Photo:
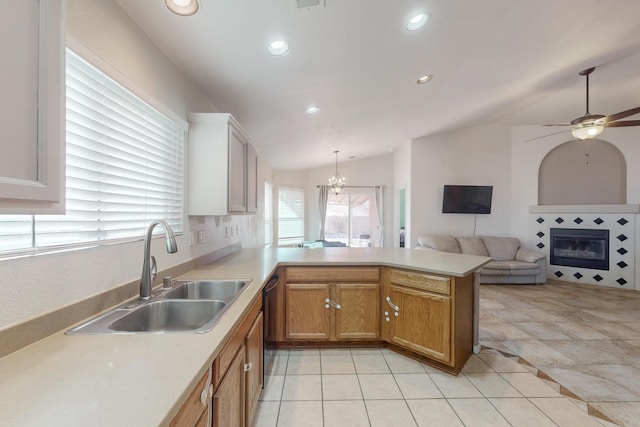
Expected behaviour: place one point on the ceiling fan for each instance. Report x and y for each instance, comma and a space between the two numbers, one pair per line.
591, 125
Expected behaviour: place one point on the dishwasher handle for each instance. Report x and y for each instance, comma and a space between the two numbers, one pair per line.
271, 284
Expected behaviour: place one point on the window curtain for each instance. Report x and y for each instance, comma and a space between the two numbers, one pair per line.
379, 193
322, 203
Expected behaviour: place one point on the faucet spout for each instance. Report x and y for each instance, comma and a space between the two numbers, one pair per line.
146, 281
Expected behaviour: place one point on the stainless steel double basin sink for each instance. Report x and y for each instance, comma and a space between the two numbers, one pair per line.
189, 306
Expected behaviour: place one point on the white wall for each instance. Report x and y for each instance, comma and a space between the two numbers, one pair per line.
36, 285
471, 156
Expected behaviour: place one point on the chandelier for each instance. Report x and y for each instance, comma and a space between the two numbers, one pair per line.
336, 182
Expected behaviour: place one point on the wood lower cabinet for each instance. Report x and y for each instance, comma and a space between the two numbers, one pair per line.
238, 372
253, 380
423, 323
319, 306
196, 411
429, 315
305, 312
359, 315
228, 400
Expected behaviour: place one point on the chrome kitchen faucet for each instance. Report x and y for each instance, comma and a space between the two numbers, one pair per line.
149, 268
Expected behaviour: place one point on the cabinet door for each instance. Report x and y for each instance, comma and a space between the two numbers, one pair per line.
237, 168
252, 179
253, 366
423, 323
228, 401
195, 411
306, 317
32, 35
358, 317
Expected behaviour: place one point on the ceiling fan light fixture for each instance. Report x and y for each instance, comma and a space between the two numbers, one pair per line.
586, 131
182, 7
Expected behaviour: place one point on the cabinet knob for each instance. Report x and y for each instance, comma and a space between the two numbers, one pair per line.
248, 366
204, 395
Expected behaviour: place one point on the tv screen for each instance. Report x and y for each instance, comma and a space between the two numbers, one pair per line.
474, 199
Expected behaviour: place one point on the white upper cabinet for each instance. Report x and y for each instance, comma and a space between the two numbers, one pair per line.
32, 107
222, 166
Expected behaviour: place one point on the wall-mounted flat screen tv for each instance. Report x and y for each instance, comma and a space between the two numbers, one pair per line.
472, 199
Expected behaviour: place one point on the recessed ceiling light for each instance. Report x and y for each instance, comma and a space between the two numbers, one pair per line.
417, 21
312, 109
422, 80
182, 7
278, 47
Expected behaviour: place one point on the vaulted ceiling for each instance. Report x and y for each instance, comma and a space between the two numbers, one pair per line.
492, 60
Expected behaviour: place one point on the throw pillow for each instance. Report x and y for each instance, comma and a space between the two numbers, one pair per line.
501, 248
472, 246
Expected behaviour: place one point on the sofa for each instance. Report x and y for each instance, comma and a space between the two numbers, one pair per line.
510, 263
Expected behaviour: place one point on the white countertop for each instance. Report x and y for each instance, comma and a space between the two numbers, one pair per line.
142, 379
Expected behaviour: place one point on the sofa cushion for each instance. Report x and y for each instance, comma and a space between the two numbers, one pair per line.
509, 268
472, 246
501, 248
527, 255
439, 243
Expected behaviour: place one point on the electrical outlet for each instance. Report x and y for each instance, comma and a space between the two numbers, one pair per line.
202, 236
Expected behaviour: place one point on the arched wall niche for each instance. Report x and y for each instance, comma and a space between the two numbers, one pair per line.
590, 172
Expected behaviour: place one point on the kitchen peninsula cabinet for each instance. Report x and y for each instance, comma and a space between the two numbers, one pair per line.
32, 47
336, 304
429, 315
222, 166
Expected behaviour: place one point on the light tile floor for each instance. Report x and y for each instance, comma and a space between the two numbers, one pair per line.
376, 387
584, 337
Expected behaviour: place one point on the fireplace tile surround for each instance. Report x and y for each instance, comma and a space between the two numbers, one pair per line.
619, 220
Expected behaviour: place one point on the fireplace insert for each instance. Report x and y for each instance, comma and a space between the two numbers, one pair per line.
584, 248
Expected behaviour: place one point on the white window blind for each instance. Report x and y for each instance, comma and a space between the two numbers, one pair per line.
268, 214
124, 167
290, 216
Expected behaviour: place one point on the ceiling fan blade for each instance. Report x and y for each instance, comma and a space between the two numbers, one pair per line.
622, 115
544, 136
623, 123
558, 124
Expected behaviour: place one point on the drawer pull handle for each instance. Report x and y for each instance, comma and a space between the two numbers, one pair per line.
392, 305
330, 303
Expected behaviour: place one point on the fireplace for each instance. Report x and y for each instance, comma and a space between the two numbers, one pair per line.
584, 248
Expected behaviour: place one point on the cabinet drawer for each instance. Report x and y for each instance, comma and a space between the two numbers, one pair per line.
427, 282
333, 274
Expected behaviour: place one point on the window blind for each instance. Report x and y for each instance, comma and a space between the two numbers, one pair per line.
290, 215
124, 166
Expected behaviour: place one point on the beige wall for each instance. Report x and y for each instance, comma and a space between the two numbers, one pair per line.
35, 285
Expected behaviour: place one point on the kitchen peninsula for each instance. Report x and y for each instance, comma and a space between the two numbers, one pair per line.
145, 379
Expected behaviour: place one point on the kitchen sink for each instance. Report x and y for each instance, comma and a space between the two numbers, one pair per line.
206, 289
189, 306
171, 316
